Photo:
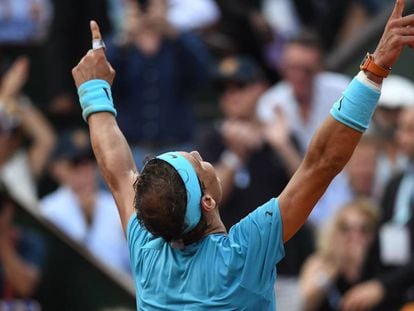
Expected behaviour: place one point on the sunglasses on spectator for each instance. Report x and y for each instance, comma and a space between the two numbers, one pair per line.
345, 228
232, 85
78, 161
308, 70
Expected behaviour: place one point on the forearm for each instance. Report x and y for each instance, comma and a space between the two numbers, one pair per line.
313, 296
22, 276
314, 283
115, 161
111, 150
329, 151
42, 135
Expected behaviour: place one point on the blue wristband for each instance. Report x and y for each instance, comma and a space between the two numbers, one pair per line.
95, 96
356, 106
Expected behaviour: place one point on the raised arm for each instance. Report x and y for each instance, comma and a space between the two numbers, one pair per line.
93, 77
335, 141
18, 107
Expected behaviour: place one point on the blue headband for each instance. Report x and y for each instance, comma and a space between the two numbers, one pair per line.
192, 186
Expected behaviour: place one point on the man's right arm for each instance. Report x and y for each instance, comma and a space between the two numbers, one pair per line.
115, 162
110, 147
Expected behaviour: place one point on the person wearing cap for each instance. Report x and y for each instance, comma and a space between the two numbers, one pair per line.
181, 254
78, 207
397, 93
246, 154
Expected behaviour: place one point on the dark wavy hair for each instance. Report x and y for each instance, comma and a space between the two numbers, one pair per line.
160, 202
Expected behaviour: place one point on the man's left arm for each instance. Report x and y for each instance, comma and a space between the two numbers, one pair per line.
335, 141
93, 77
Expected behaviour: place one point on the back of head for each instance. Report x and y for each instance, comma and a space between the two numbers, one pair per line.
161, 200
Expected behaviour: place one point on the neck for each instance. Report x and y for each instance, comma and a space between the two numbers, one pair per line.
214, 224
208, 225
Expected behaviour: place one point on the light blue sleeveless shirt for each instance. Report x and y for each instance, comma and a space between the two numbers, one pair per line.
220, 272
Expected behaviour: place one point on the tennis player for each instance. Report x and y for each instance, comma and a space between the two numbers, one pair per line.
181, 255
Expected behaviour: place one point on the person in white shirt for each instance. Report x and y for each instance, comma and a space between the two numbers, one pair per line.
79, 208
306, 92
305, 95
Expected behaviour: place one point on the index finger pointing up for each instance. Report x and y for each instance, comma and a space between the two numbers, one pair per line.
398, 9
96, 34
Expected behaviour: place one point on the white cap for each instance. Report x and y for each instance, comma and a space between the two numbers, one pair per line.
397, 92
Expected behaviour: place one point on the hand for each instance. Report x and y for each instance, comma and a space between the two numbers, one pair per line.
94, 64
363, 297
399, 32
277, 133
241, 137
14, 79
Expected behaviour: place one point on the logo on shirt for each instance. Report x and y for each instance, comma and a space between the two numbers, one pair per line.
267, 213
340, 103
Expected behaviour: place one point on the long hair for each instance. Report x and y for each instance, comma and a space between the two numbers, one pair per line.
363, 206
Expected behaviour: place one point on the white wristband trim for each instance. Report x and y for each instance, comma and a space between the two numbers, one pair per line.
362, 77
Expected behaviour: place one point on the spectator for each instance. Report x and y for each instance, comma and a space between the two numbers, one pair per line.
305, 96
362, 167
22, 254
158, 69
79, 208
20, 120
357, 179
253, 162
397, 93
306, 92
340, 261
396, 239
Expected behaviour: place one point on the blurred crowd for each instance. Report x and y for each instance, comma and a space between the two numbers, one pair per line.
241, 81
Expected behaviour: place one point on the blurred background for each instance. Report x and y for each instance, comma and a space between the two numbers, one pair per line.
245, 82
